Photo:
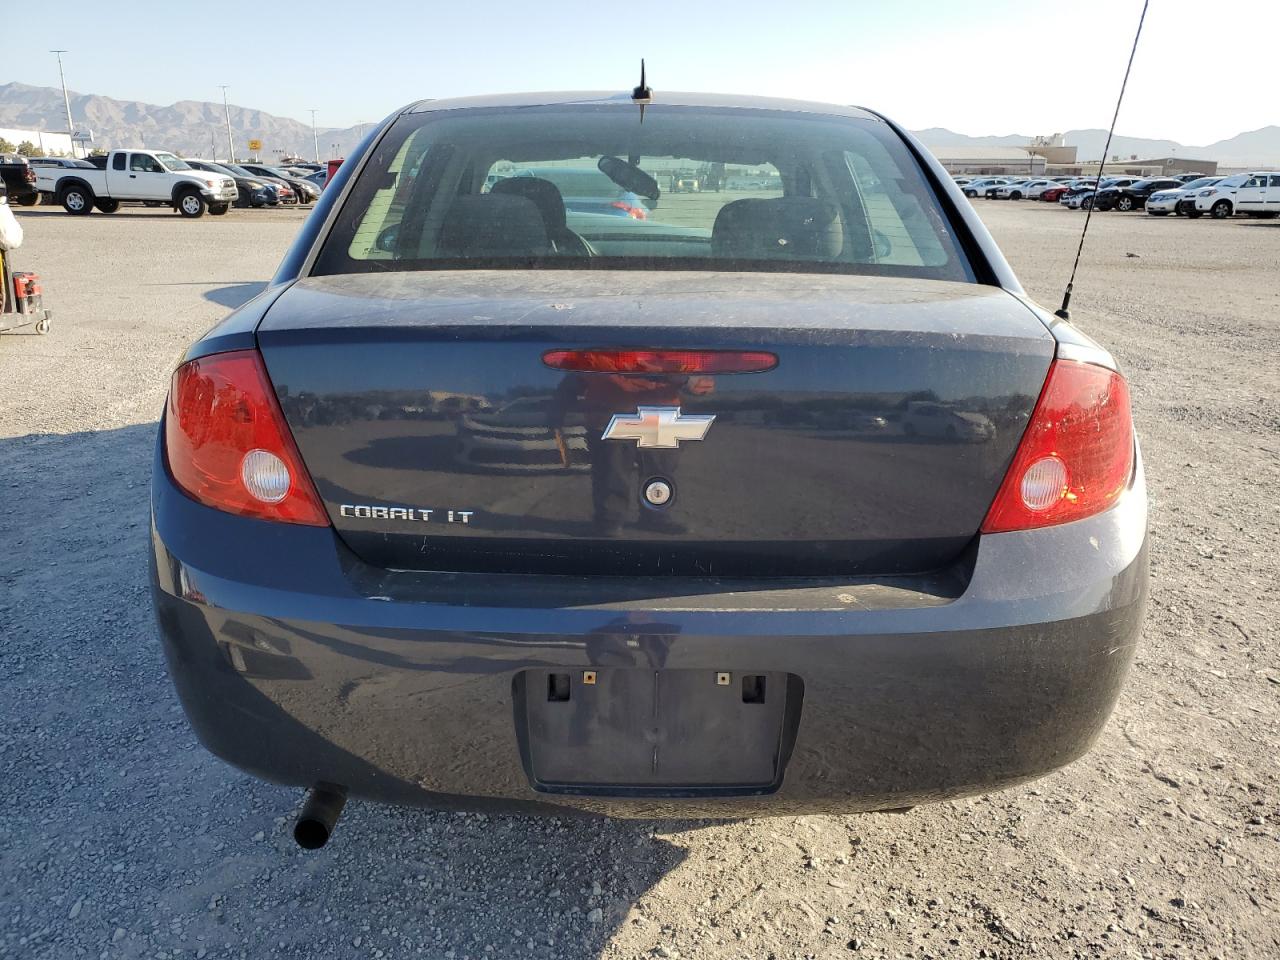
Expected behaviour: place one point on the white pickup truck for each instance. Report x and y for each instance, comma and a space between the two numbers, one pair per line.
139, 175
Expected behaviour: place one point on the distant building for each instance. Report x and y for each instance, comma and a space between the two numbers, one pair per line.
1168, 166
989, 160
48, 142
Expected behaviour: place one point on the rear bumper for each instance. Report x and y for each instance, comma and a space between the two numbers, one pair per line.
298, 663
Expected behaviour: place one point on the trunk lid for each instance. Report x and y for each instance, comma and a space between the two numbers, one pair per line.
439, 439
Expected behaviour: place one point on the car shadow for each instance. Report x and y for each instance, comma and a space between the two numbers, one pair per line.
191, 837
235, 294
231, 295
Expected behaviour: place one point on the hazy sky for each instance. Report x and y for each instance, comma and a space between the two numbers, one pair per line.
988, 67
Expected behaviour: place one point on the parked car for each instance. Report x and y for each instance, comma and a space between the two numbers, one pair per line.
1134, 195
927, 418
253, 192
19, 180
979, 187
722, 603
1084, 199
1036, 188
1256, 194
1056, 192
69, 162
143, 175
303, 190
1020, 188
991, 191
1175, 200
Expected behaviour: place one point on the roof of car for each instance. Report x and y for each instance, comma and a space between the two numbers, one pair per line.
660, 98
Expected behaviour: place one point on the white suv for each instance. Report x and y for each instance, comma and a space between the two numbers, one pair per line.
1175, 200
1257, 194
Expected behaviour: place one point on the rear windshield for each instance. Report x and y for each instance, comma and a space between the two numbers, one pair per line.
591, 185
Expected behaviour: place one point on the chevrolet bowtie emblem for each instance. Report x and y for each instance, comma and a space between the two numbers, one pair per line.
662, 427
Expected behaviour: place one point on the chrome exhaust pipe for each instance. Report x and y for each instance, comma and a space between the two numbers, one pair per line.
319, 815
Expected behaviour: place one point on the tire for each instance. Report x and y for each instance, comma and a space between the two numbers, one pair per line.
1158, 213
1124, 204
218, 209
1194, 214
190, 204
77, 200
30, 201
1221, 210
43, 324
1016, 195
1086, 204
971, 194
107, 205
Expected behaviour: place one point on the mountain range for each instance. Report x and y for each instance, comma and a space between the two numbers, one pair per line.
1255, 148
193, 127
188, 127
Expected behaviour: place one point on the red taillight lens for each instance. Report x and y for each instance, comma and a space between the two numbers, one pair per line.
661, 361
1076, 456
228, 446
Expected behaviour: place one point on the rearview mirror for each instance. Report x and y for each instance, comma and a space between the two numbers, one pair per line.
629, 177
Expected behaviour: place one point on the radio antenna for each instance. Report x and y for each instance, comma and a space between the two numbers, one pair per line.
1064, 311
642, 94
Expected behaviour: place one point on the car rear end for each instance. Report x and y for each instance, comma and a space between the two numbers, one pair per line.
799, 507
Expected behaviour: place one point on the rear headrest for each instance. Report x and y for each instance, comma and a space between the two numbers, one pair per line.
782, 228
544, 194
489, 225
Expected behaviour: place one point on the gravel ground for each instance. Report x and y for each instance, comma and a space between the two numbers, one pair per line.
121, 837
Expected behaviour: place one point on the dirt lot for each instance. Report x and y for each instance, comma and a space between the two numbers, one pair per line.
121, 837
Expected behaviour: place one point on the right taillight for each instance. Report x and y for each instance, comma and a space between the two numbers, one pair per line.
1076, 456
227, 444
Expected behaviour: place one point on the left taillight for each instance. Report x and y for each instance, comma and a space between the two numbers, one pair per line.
227, 444
1077, 455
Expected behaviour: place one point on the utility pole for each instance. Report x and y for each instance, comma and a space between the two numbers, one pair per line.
66, 100
213, 146
315, 137
226, 109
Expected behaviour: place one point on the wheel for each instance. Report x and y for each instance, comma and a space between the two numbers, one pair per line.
1016, 195
43, 324
191, 204
107, 205
31, 201
1124, 204
971, 194
218, 209
1220, 210
77, 200
1194, 214
1086, 204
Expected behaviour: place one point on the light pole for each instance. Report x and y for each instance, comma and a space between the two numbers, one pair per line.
226, 110
315, 137
66, 100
